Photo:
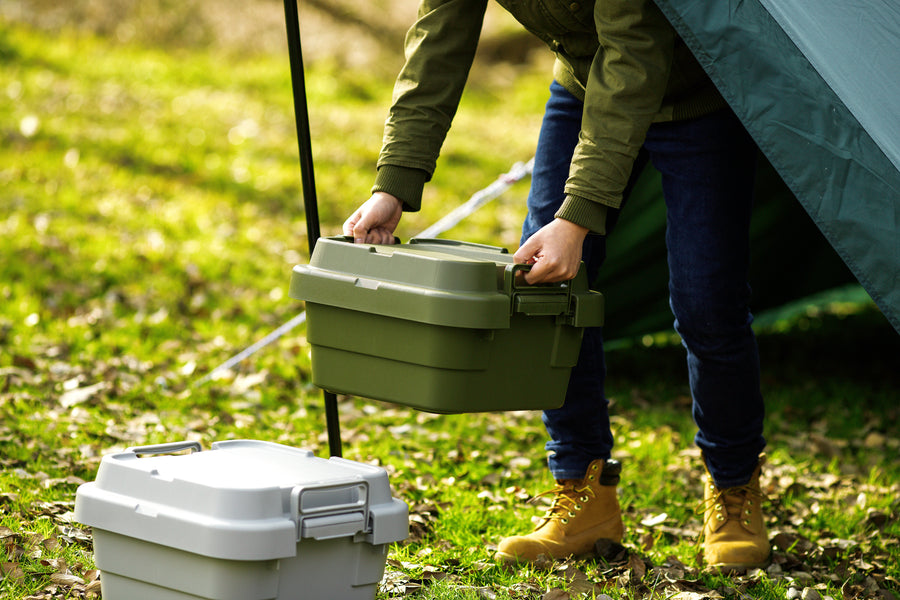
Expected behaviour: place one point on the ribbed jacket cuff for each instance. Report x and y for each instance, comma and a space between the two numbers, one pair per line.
403, 182
584, 212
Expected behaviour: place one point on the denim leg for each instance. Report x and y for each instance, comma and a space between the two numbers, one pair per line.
707, 168
579, 431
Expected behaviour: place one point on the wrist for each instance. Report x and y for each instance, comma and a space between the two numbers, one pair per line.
584, 212
572, 228
403, 183
386, 197
576, 227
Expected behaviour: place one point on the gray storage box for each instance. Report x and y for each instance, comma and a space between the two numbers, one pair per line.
246, 520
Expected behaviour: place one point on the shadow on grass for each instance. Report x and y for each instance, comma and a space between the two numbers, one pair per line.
828, 382
861, 349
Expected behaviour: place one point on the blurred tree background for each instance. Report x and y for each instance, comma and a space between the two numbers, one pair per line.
150, 218
375, 29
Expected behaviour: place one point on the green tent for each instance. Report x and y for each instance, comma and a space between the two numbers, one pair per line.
817, 87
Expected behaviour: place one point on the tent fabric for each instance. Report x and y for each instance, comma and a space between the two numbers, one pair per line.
791, 260
855, 47
816, 87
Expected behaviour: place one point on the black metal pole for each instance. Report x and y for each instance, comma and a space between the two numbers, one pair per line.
301, 116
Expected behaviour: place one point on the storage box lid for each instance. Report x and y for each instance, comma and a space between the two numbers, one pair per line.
439, 282
242, 499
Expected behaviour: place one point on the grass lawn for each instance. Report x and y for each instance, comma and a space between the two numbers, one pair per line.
150, 219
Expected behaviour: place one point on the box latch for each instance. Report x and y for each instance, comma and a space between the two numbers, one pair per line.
535, 300
544, 304
570, 301
333, 526
324, 512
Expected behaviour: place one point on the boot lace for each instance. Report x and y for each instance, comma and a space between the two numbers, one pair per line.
568, 499
732, 500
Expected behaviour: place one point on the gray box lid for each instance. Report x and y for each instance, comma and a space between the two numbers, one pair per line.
241, 500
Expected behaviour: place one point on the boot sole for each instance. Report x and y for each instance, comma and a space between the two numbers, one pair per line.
728, 568
513, 560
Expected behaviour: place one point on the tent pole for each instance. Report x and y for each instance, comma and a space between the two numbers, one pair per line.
301, 116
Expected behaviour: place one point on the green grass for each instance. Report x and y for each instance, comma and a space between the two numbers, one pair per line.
150, 217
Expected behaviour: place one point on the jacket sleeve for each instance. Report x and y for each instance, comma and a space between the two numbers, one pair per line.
624, 91
440, 48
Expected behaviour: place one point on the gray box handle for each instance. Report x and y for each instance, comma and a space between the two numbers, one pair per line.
329, 511
332, 526
168, 448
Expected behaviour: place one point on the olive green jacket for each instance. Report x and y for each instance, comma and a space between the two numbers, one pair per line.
621, 57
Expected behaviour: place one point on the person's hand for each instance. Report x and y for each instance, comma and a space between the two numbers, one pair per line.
554, 252
374, 222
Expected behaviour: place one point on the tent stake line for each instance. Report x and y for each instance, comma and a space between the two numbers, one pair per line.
518, 172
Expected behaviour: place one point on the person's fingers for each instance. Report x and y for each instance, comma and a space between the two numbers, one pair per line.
525, 255
350, 223
554, 251
356, 227
360, 231
380, 235
544, 265
367, 228
530, 253
546, 269
374, 221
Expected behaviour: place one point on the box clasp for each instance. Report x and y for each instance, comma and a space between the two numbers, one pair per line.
330, 511
571, 301
535, 300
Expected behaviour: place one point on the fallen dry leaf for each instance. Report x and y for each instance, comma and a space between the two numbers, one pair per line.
653, 520
65, 579
77, 396
689, 596
638, 567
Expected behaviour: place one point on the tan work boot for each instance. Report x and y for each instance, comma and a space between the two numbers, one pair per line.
734, 534
583, 511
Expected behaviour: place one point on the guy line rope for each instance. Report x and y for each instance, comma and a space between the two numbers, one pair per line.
518, 172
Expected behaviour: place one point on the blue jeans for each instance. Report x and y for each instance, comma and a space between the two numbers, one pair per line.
707, 166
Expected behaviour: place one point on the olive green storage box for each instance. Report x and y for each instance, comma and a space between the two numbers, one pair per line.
441, 326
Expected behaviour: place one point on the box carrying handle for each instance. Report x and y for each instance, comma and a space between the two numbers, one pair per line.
168, 448
325, 512
349, 239
579, 308
441, 242
536, 300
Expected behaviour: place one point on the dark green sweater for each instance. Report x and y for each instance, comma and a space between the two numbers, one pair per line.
620, 56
